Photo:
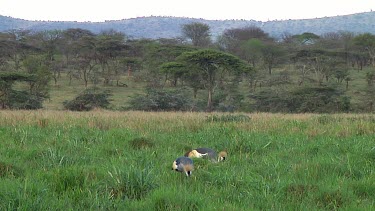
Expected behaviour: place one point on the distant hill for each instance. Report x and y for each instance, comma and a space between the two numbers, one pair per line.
170, 27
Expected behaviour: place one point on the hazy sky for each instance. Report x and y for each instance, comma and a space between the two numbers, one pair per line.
262, 10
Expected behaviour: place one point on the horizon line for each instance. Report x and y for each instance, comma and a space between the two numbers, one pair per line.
168, 16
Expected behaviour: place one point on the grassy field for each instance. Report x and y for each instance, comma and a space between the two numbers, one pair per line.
105, 160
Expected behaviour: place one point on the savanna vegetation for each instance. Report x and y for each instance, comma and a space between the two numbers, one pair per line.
243, 69
316, 152
107, 160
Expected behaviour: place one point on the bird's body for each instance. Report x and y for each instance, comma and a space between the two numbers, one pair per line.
207, 153
183, 164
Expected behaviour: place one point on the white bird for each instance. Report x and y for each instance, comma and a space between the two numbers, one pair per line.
183, 164
207, 153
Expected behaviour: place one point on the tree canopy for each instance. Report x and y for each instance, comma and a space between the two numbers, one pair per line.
213, 67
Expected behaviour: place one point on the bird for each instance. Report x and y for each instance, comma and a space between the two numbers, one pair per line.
183, 164
207, 153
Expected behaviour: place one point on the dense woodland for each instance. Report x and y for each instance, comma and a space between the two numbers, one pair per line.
243, 69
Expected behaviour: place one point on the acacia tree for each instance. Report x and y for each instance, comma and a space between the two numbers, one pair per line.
14, 47
71, 38
271, 56
232, 40
214, 68
367, 43
173, 71
157, 54
251, 51
109, 46
84, 61
19, 99
198, 33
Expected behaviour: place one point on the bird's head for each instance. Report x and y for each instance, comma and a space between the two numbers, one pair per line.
222, 156
174, 165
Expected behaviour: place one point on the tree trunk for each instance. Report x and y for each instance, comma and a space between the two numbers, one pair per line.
129, 71
85, 78
70, 79
347, 84
209, 101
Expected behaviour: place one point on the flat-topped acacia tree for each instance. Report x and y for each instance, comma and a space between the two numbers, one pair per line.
14, 99
213, 67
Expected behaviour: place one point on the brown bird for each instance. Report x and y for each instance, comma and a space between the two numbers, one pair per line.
183, 164
207, 153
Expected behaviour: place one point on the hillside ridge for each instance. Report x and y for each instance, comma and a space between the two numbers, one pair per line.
154, 27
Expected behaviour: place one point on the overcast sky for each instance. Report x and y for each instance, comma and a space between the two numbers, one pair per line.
261, 10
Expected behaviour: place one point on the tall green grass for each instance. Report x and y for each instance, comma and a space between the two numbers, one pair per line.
106, 160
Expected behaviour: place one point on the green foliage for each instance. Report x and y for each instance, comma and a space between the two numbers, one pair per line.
269, 100
366, 40
42, 76
306, 38
161, 100
319, 99
213, 60
251, 51
213, 68
293, 62
24, 100
16, 76
88, 100
14, 99
198, 33
302, 100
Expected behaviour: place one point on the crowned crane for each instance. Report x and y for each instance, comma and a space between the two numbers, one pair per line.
207, 153
183, 164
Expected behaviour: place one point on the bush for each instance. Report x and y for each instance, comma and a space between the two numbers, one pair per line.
31, 98
161, 100
319, 99
88, 100
302, 100
25, 100
269, 100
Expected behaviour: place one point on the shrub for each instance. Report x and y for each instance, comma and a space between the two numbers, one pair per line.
301, 100
14, 99
88, 100
25, 100
161, 100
